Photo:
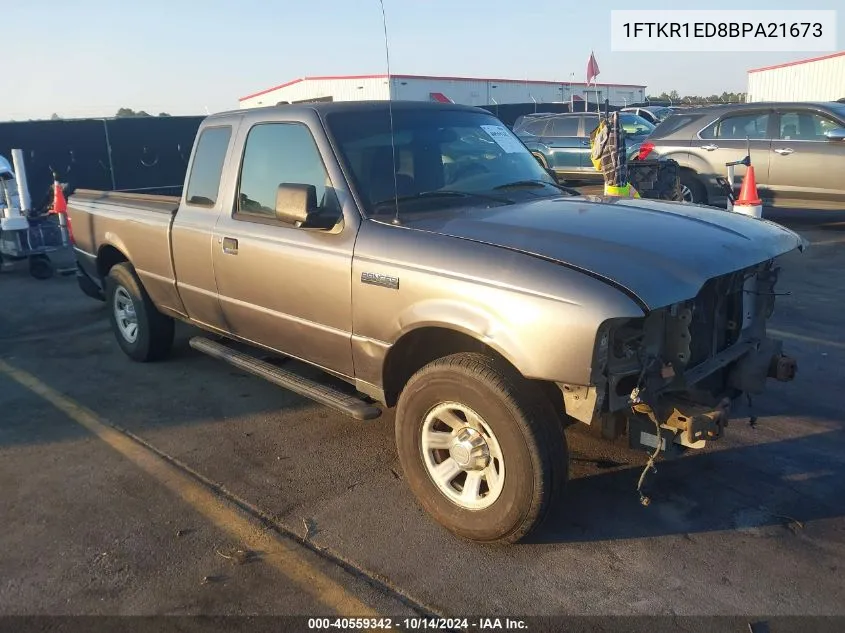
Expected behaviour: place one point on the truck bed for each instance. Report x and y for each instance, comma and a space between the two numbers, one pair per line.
109, 225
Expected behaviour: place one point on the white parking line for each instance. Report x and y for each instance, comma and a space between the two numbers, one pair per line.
286, 557
807, 339
828, 242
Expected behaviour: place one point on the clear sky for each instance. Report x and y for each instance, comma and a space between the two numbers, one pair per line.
90, 57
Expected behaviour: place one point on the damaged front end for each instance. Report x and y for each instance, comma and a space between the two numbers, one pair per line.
679, 369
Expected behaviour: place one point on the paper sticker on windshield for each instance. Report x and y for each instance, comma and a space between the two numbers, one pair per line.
503, 138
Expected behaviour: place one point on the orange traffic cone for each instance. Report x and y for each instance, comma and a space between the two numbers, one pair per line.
59, 200
60, 209
749, 202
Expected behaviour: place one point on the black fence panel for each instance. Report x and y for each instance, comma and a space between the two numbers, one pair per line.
76, 150
146, 153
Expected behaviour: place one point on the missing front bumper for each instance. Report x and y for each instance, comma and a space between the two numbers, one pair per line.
683, 424
686, 424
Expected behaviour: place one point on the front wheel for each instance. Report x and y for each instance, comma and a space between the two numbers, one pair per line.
481, 448
143, 333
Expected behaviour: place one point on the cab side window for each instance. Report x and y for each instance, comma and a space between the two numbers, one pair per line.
275, 154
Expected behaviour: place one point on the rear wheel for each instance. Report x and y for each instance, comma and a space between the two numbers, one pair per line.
481, 448
143, 333
691, 188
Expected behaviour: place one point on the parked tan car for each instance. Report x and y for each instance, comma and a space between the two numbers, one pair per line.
797, 150
419, 253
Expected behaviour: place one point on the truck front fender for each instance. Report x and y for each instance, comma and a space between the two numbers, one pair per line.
468, 319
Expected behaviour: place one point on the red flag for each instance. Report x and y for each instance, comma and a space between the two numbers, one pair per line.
592, 68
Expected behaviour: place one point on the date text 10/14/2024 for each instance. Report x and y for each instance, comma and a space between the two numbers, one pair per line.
418, 624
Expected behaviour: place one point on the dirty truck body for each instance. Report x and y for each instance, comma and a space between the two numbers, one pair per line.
419, 253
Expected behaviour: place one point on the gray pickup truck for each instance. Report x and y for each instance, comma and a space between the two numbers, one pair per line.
421, 257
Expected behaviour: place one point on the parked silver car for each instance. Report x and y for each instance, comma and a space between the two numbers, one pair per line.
797, 150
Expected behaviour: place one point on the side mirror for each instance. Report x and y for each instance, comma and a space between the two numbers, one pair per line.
296, 204
836, 134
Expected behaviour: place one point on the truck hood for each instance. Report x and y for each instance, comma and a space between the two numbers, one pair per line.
658, 252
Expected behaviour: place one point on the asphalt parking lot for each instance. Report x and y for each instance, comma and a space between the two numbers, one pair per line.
231, 496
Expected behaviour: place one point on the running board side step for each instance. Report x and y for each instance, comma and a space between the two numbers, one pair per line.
324, 394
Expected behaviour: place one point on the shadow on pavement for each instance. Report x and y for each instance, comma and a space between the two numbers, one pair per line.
791, 482
798, 219
187, 388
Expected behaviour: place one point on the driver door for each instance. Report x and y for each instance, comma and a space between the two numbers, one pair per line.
282, 287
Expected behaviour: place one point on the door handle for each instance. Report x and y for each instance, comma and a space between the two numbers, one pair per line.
230, 246
710, 147
784, 151
585, 143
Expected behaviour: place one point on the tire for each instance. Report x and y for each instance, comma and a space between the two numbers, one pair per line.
691, 188
153, 332
519, 429
656, 180
41, 267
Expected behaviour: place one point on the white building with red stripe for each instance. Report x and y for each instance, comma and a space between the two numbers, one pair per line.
479, 91
814, 79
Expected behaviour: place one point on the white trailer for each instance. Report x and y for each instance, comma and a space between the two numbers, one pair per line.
476, 91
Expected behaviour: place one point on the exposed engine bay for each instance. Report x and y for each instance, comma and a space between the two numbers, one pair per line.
680, 368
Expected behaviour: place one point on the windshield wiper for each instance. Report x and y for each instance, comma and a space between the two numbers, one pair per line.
536, 183
440, 193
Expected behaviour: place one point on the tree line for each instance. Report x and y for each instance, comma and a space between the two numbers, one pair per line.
674, 98
122, 113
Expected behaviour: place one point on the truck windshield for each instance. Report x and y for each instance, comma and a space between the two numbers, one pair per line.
440, 156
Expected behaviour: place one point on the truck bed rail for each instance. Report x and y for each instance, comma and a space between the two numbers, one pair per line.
146, 201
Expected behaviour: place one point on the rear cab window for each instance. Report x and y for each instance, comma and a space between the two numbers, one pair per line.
207, 168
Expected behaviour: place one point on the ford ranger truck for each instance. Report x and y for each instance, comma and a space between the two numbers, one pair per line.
420, 257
